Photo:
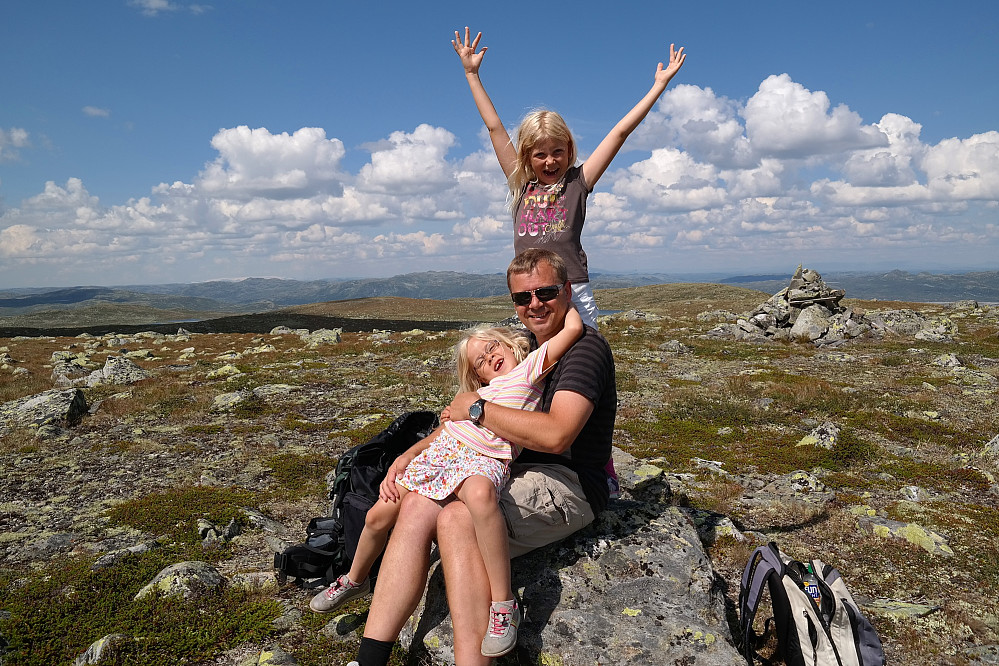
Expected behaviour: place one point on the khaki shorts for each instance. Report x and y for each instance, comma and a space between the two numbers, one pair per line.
542, 504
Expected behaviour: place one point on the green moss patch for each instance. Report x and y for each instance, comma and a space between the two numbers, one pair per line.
300, 475
174, 513
55, 617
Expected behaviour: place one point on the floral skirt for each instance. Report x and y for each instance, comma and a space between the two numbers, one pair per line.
442, 466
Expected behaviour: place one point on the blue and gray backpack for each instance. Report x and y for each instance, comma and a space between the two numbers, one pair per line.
816, 620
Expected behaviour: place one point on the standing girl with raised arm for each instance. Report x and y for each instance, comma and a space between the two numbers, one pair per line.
465, 460
548, 190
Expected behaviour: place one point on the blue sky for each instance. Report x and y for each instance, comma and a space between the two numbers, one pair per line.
155, 141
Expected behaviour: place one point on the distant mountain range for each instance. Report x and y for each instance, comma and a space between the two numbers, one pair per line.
221, 297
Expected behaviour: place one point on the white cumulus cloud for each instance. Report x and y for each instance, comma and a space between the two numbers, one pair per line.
11, 141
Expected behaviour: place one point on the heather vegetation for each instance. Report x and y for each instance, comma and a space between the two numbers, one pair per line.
729, 422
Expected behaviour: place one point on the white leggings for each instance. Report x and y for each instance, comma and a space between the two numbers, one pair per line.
582, 296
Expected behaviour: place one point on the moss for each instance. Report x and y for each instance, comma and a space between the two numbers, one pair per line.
295, 423
322, 650
56, 616
174, 513
366, 432
253, 407
892, 360
913, 431
626, 381
942, 476
300, 475
204, 429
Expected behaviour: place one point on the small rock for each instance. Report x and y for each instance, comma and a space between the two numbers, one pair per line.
190, 580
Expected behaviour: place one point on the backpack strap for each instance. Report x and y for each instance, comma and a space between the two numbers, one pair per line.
763, 563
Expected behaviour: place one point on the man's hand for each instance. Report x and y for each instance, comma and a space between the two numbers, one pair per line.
458, 409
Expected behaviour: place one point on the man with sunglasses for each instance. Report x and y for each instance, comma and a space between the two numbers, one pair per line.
557, 485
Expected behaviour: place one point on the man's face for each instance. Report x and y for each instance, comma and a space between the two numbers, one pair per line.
543, 318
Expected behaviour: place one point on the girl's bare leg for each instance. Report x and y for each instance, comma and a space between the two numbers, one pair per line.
377, 524
479, 494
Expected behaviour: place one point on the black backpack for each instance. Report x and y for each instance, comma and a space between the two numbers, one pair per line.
816, 619
331, 541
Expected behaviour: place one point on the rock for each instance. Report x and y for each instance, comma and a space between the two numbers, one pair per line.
902, 610
59, 407
811, 324
800, 485
96, 650
675, 347
117, 370
190, 580
323, 336
806, 310
635, 587
230, 401
825, 436
272, 656
632, 315
932, 542
224, 372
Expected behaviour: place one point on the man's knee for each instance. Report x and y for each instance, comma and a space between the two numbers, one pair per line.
454, 524
417, 514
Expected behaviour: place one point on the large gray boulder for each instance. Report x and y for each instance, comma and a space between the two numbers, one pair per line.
57, 407
117, 370
635, 587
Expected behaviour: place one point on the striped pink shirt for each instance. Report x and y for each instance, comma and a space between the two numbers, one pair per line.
520, 389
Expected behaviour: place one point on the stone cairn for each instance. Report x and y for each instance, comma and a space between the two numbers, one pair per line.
807, 310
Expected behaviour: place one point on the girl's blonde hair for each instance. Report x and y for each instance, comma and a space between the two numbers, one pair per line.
512, 338
536, 125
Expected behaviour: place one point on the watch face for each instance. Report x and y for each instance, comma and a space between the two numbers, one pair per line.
475, 411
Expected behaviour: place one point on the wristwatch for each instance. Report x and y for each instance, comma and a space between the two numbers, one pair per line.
477, 410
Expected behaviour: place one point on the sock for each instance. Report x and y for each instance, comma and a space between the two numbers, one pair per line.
374, 653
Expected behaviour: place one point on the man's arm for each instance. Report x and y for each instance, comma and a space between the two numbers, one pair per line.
553, 431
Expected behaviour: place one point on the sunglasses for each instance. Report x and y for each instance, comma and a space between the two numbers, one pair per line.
544, 294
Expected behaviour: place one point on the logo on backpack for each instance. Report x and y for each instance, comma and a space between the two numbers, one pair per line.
816, 620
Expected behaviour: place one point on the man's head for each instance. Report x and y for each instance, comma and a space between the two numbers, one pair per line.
528, 275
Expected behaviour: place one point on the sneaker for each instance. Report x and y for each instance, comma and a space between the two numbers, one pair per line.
501, 637
339, 593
